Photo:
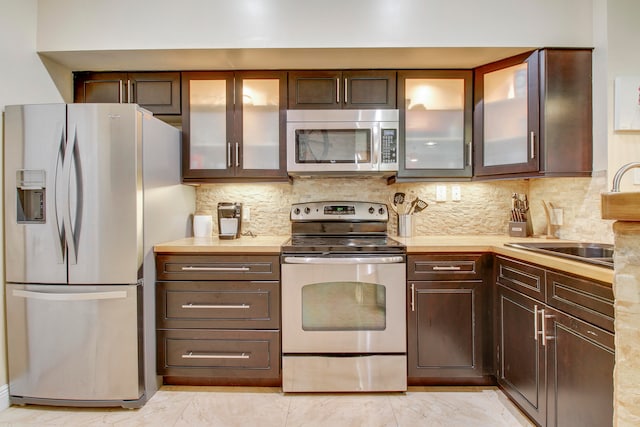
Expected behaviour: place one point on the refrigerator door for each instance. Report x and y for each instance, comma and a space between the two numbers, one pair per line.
34, 142
74, 343
104, 177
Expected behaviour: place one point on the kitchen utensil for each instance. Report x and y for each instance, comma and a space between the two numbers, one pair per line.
420, 206
392, 205
412, 206
398, 200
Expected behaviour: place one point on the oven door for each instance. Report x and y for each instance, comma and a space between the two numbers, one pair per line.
343, 305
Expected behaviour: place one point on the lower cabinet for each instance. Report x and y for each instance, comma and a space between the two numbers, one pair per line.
213, 328
448, 320
555, 352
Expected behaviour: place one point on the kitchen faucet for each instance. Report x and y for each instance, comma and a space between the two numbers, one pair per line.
618, 176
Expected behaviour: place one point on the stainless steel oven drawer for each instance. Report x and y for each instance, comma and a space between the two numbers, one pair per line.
230, 354
218, 305
327, 373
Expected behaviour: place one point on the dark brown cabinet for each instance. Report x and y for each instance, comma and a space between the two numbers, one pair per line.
448, 319
521, 369
233, 126
555, 344
218, 319
533, 115
331, 89
158, 92
435, 123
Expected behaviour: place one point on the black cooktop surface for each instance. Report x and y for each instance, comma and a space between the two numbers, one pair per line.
343, 244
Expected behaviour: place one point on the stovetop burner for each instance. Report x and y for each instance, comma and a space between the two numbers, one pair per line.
343, 244
341, 228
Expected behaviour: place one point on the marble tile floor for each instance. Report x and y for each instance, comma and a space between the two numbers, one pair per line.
266, 407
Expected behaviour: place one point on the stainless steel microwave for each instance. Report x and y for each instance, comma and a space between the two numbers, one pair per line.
337, 142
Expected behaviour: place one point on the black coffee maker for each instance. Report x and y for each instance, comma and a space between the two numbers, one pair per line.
229, 220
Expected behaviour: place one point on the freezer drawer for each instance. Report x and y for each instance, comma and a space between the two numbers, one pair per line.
74, 345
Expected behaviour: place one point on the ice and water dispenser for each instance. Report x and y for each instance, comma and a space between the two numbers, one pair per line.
31, 196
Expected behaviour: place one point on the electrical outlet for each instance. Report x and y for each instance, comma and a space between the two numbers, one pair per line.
636, 176
441, 193
246, 214
456, 195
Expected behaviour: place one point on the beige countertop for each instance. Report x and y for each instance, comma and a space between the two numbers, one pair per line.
415, 245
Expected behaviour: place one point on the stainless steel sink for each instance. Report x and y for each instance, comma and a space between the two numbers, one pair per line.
592, 253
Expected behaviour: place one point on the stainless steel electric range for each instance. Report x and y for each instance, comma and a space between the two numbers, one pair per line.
343, 300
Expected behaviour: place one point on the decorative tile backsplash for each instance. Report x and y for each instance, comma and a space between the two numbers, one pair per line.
483, 209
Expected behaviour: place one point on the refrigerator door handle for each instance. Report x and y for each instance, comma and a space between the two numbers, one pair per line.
88, 296
59, 235
69, 158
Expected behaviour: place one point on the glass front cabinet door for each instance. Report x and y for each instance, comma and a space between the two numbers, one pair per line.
507, 116
435, 123
233, 126
533, 115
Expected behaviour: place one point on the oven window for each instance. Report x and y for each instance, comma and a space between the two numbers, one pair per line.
333, 145
344, 306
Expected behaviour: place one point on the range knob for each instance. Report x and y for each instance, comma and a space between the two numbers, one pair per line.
371, 210
381, 211
296, 211
307, 210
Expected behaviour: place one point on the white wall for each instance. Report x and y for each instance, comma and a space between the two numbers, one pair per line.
623, 34
23, 79
70, 25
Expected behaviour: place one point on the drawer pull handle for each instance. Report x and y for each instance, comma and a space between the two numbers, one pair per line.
192, 268
446, 268
190, 305
192, 355
592, 333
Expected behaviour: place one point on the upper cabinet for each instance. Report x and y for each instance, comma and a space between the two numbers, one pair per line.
357, 89
435, 123
158, 92
233, 126
533, 115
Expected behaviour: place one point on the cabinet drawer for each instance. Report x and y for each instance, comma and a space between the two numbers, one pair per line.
218, 267
521, 277
227, 354
585, 299
224, 305
444, 267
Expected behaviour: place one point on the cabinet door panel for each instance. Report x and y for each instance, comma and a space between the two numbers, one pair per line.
369, 89
436, 128
157, 92
521, 356
446, 331
100, 87
581, 359
314, 89
207, 124
507, 116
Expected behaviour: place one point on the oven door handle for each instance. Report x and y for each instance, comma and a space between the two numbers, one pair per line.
345, 260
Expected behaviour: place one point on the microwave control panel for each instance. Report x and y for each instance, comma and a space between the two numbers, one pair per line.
389, 148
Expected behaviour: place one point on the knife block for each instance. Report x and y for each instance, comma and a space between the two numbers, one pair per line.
518, 229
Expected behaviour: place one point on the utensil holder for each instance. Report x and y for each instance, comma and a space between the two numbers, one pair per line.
405, 225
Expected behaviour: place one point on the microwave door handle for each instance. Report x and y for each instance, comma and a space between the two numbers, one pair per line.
337, 91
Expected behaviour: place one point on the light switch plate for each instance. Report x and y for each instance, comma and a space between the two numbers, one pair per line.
441, 193
636, 176
246, 214
456, 195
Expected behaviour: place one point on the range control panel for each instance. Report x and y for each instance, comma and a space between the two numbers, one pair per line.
339, 211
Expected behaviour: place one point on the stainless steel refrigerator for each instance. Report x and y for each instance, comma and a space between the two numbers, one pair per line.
89, 189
